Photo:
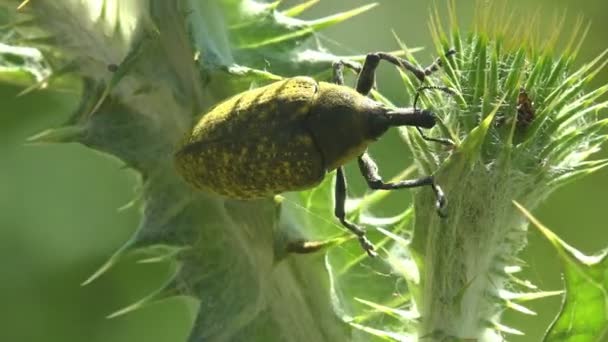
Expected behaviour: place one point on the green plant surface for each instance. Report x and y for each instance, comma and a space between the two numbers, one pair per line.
59, 221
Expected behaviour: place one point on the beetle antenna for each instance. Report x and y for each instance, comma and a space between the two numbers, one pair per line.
446, 90
450, 91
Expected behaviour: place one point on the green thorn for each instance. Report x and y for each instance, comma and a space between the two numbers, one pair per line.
505, 329
273, 5
525, 283
163, 253
108, 264
258, 75
67, 68
131, 204
103, 269
384, 335
321, 23
528, 296
165, 291
520, 308
58, 135
22, 5
389, 310
299, 9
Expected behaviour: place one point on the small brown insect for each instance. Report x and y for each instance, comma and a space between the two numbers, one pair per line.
525, 108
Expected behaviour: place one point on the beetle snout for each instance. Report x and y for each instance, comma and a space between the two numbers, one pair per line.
422, 118
426, 118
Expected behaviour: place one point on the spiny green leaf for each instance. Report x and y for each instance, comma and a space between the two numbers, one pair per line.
584, 312
308, 28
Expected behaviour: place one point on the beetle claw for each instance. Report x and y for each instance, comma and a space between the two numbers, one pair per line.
367, 246
442, 202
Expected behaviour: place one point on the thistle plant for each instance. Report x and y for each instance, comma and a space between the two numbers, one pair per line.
523, 126
521, 121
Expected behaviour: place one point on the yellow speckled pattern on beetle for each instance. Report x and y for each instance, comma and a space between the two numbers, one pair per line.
281, 137
255, 144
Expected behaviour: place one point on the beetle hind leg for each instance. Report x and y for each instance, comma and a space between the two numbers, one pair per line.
340, 212
369, 170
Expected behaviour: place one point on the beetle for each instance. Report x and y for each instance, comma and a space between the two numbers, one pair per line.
287, 135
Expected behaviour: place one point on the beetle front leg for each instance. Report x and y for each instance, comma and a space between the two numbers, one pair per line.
369, 170
442, 141
340, 212
368, 72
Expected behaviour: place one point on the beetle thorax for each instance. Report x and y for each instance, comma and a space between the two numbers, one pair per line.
344, 122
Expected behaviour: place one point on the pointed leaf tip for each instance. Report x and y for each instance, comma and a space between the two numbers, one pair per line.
505, 329
167, 290
398, 313
383, 334
299, 9
109, 263
161, 253
101, 271
274, 5
321, 23
22, 5
58, 135
520, 308
148, 300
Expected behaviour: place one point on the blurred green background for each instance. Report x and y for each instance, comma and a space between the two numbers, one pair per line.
58, 203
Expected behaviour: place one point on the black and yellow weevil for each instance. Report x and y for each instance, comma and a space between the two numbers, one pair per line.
287, 135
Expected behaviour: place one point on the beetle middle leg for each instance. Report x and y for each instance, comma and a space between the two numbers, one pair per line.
369, 170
